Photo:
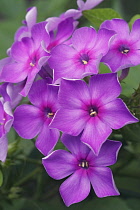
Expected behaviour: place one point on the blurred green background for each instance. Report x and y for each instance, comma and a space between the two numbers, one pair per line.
26, 185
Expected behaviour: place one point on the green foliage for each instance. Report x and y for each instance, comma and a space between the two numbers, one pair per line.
97, 16
1, 178
132, 20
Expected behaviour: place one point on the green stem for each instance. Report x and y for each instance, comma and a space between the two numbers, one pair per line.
29, 176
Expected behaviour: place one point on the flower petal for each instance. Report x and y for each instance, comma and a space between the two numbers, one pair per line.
101, 88
27, 121
14, 73
116, 114
59, 164
107, 155
70, 121
62, 62
73, 94
84, 38
3, 148
118, 25
76, 188
43, 94
95, 134
40, 34
75, 146
102, 181
47, 140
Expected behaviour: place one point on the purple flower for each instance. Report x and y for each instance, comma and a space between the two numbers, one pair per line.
30, 21
28, 56
84, 168
59, 31
33, 120
125, 48
6, 117
89, 4
83, 57
93, 109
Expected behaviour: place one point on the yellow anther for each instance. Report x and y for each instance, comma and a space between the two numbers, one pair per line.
92, 113
84, 62
31, 64
50, 114
125, 51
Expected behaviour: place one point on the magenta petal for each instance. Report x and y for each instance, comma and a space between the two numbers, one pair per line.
89, 4
76, 188
62, 62
107, 155
135, 32
104, 38
102, 181
47, 140
13, 73
95, 134
84, 38
59, 164
70, 121
42, 94
3, 148
73, 99
62, 34
40, 34
101, 88
116, 114
27, 121
19, 51
30, 79
118, 25
75, 146
31, 17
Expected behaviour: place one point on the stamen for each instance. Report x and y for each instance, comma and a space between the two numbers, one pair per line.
125, 51
92, 113
50, 114
84, 62
31, 64
84, 164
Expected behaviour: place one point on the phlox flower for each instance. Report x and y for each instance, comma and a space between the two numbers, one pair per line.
33, 120
92, 109
9, 98
29, 22
82, 58
27, 56
124, 50
84, 168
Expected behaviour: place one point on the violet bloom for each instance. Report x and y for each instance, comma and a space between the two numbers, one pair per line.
6, 116
125, 48
30, 21
84, 168
93, 109
28, 56
83, 57
33, 120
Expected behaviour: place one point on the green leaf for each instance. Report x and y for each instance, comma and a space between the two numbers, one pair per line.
131, 132
97, 16
133, 203
131, 82
132, 20
1, 178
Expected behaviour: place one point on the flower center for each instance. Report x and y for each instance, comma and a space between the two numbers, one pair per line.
49, 113
93, 112
124, 50
84, 164
84, 58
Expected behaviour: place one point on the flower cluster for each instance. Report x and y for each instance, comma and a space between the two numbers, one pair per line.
56, 65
